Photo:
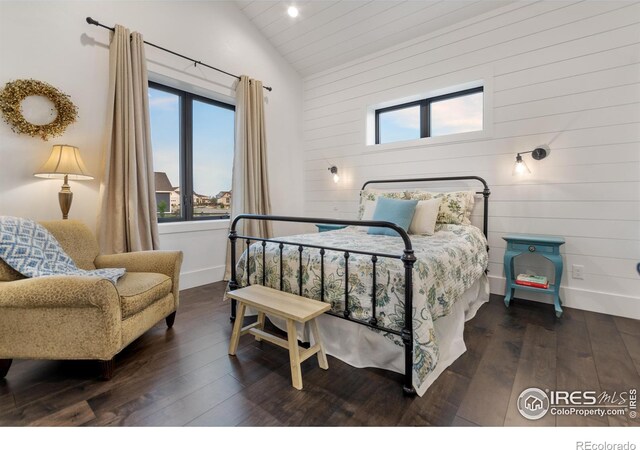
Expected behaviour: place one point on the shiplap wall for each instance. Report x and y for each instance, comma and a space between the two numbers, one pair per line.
562, 73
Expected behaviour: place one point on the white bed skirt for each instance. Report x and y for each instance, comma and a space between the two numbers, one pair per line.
359, 346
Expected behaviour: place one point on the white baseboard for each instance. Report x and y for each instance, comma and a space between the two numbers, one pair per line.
201, 277
601, 302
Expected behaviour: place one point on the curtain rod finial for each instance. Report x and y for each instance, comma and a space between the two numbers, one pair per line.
92, 21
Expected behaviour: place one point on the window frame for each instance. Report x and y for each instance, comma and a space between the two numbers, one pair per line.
186, 100
425, 112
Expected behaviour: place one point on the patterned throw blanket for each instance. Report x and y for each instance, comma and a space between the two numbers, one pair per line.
29, 248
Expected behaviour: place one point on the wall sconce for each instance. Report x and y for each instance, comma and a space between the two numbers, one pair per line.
520, 167
334, 171
64, 162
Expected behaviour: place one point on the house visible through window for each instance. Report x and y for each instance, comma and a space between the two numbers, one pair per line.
458, 112
193, 140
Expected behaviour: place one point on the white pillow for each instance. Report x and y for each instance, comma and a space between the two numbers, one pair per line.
425, 216
369, 209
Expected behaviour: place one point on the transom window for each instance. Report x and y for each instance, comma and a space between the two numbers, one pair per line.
458, 112
193, 141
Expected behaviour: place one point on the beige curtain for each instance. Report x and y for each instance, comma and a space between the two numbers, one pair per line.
250, 185
127, 218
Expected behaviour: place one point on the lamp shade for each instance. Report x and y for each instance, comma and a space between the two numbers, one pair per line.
64, 160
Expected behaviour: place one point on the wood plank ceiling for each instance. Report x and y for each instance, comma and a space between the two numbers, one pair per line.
329, 33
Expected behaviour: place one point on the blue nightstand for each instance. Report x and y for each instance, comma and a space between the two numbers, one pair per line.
547, 246
328, 227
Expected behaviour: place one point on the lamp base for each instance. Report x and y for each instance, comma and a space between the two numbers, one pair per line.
65, 197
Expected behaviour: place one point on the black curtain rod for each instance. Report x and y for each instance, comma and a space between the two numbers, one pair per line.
91, 21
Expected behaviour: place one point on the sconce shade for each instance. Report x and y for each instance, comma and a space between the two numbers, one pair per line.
520, 167
538, 153
334, 171
64, 160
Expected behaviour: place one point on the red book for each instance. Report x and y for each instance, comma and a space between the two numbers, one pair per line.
532, 284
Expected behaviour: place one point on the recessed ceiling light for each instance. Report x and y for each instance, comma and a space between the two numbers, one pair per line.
292, 11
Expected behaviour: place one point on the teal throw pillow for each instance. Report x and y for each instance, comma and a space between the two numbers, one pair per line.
399, 212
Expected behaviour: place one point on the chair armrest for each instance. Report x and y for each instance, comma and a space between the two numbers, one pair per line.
155, 261
59, 292
60, 317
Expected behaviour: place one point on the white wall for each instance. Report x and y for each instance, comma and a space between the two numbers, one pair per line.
50, 41
562, 73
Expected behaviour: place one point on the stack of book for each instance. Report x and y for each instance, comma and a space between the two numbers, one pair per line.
532, 280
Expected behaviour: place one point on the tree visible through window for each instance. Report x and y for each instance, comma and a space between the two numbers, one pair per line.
193, 141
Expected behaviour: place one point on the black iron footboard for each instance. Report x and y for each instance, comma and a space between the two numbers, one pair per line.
407, 257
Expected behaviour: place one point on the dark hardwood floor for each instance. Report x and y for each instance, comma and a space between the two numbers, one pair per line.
183, 376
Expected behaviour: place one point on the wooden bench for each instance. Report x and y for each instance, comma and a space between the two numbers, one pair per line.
290, 307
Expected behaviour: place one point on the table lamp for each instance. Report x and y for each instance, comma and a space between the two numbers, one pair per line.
64, 162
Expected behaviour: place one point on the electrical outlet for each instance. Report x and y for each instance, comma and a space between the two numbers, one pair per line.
577, 272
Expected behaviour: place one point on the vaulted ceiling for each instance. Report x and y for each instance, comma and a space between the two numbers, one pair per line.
329, 33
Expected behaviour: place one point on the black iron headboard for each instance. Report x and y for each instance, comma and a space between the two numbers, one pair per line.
486, 192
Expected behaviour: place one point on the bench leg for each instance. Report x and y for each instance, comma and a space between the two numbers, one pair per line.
294, 354
260, 324
322, 356
237, 326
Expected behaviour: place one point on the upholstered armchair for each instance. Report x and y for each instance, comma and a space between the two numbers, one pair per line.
73, 317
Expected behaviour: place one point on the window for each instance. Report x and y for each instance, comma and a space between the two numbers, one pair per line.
193, 141
458, 112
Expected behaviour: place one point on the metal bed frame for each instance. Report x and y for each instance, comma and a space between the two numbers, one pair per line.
407, 257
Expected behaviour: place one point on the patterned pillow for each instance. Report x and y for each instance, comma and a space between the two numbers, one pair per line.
372, 194
455, 207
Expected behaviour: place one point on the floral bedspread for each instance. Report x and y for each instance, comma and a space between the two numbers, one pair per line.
448, 263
